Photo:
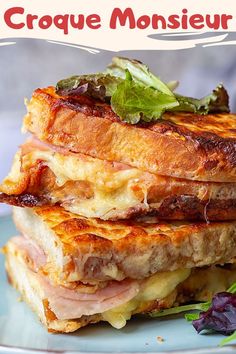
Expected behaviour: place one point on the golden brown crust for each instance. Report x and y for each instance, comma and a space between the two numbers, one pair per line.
23, 200
180, 145
183, 207
200, 285
95, 246
34, 184
22, 279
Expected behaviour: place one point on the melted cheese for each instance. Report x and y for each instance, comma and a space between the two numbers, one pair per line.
202, 282
112, 187
157, 287
205, 282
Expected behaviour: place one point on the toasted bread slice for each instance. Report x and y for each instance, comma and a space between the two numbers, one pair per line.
96, 188
92, 250
115, 303
27, 283
180, 145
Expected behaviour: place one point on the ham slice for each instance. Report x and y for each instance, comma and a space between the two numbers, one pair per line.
33, 143
69, 303
32, 250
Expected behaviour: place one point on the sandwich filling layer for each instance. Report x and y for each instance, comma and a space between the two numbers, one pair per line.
117, 301
97, 188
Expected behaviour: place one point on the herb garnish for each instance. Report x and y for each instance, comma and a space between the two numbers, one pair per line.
135, 94
218, 315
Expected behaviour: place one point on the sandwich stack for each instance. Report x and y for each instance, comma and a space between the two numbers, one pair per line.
118, 219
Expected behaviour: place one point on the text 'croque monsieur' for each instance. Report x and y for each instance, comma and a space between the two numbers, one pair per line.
73, 271
85, 159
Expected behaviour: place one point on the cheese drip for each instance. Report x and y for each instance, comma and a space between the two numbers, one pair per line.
112, 187
157, 287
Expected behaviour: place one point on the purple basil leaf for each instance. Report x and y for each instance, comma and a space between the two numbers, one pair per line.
88, 88
98, 86
221, 316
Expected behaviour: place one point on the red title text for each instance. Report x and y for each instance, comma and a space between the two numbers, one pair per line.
17, 18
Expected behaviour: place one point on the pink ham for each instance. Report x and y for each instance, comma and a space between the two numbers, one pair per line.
68, 303
34, 143
33, 251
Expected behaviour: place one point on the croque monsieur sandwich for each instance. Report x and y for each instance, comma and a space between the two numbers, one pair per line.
124, 197
73, 271
85, 159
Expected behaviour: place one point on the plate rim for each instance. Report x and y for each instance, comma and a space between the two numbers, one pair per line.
8, 349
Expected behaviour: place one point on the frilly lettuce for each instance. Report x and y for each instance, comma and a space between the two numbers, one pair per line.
138, 95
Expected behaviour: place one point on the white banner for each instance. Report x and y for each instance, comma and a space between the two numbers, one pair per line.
120, 25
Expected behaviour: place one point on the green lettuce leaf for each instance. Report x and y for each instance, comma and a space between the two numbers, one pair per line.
140, 73
228, 339
217, 101
232, 289
140, 95
179, 309
202, 306
133, 102
191, 316
172, 85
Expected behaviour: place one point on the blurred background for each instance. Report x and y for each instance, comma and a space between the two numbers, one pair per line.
34, 63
